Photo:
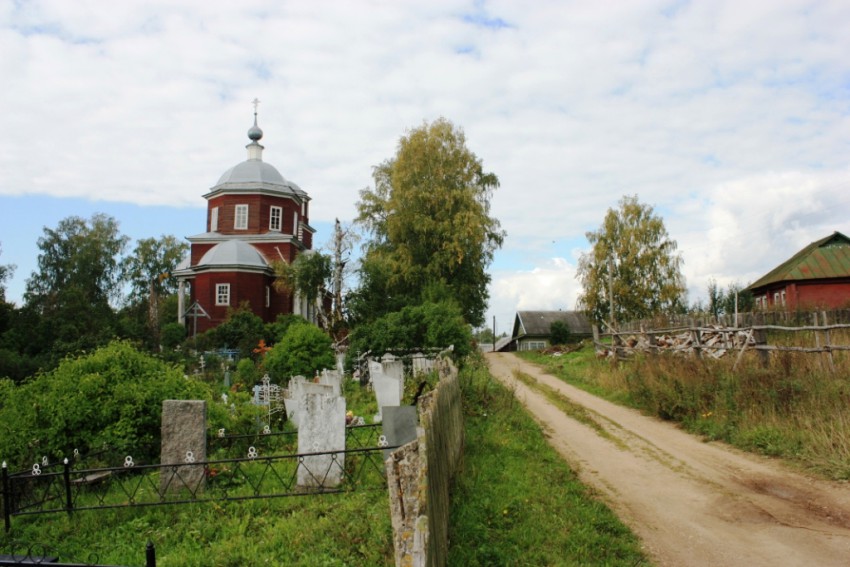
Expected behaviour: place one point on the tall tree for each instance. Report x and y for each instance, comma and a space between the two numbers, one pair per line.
429, 219
6, 272
79, 275
633, 264
148, 270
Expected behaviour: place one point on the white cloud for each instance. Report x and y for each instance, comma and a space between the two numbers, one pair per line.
551, 286
732, 119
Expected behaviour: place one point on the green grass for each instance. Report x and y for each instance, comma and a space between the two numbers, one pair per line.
516, 501
795, 407
350, 529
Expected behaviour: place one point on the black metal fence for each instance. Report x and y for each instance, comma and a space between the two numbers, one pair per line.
18, 553
257, 473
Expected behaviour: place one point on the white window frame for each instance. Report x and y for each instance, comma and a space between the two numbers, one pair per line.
276, 218
240, 217
214, 220
222, 294
783, 298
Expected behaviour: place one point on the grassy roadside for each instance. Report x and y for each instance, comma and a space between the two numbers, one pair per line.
794, 408
516, 501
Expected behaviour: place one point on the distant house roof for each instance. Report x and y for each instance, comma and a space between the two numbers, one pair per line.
822, 259
539, 323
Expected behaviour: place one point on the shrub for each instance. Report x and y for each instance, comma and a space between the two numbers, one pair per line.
430, 325
112, 396
303, 350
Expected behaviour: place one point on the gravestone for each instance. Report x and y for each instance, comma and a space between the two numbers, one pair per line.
290, 398
399, 426
332, 378
421, 364
321, 429
184, 441
388, 386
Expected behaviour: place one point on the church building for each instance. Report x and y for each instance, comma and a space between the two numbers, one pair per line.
254, 217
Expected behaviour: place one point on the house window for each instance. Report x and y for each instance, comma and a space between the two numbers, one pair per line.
535, 345
776, 299
295, 222
241, 219
222, 294
214, 220
275, 216
268, 296
783, 298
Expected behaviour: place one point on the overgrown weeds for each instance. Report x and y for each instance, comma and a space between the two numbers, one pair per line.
794, 405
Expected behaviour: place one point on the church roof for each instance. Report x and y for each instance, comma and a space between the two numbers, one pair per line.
254, 174
232, 254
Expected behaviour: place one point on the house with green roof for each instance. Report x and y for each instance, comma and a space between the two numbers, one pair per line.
816, 277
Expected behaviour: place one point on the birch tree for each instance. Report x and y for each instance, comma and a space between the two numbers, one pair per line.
633, 270
429, 221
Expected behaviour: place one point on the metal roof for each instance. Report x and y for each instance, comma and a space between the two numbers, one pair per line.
539, 323
235, 253
823, 259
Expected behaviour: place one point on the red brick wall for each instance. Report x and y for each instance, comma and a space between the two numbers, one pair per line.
259, 212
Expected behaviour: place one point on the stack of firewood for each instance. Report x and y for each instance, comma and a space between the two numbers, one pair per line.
714, 341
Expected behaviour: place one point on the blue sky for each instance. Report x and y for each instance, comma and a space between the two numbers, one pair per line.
731, 118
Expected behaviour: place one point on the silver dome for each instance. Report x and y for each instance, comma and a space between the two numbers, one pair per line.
233, 253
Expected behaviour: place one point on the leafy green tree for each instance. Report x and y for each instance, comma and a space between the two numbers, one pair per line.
6, 271
242, 330
148, 270
429, 325
559, 333
633, 261
112, 396
745, 300
302, 351
79, 276
429, 220
715, 298
274, 331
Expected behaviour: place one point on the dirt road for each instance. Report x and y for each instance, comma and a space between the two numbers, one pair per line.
692, 503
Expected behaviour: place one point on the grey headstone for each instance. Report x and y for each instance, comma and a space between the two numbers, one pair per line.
184, 440
399, 426
321, 428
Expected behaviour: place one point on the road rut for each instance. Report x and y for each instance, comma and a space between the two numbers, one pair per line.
692, 503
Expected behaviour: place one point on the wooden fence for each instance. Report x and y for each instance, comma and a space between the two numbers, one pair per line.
716, 341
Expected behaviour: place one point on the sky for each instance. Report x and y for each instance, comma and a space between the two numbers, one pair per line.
731, 119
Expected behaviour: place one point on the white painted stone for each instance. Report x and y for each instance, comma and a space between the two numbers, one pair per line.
388, 391
322, 428
422, 365
332, 378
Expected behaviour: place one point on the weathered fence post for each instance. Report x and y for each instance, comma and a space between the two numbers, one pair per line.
760, 338
827, 344
7, 498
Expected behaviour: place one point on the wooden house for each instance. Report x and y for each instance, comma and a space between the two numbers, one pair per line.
816, 277
532, 330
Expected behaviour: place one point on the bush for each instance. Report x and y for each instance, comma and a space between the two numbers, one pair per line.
172, 335
302, 351
429, 325
559, 333
112, 397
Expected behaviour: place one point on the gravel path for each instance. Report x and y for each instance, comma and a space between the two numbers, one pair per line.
692, 503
